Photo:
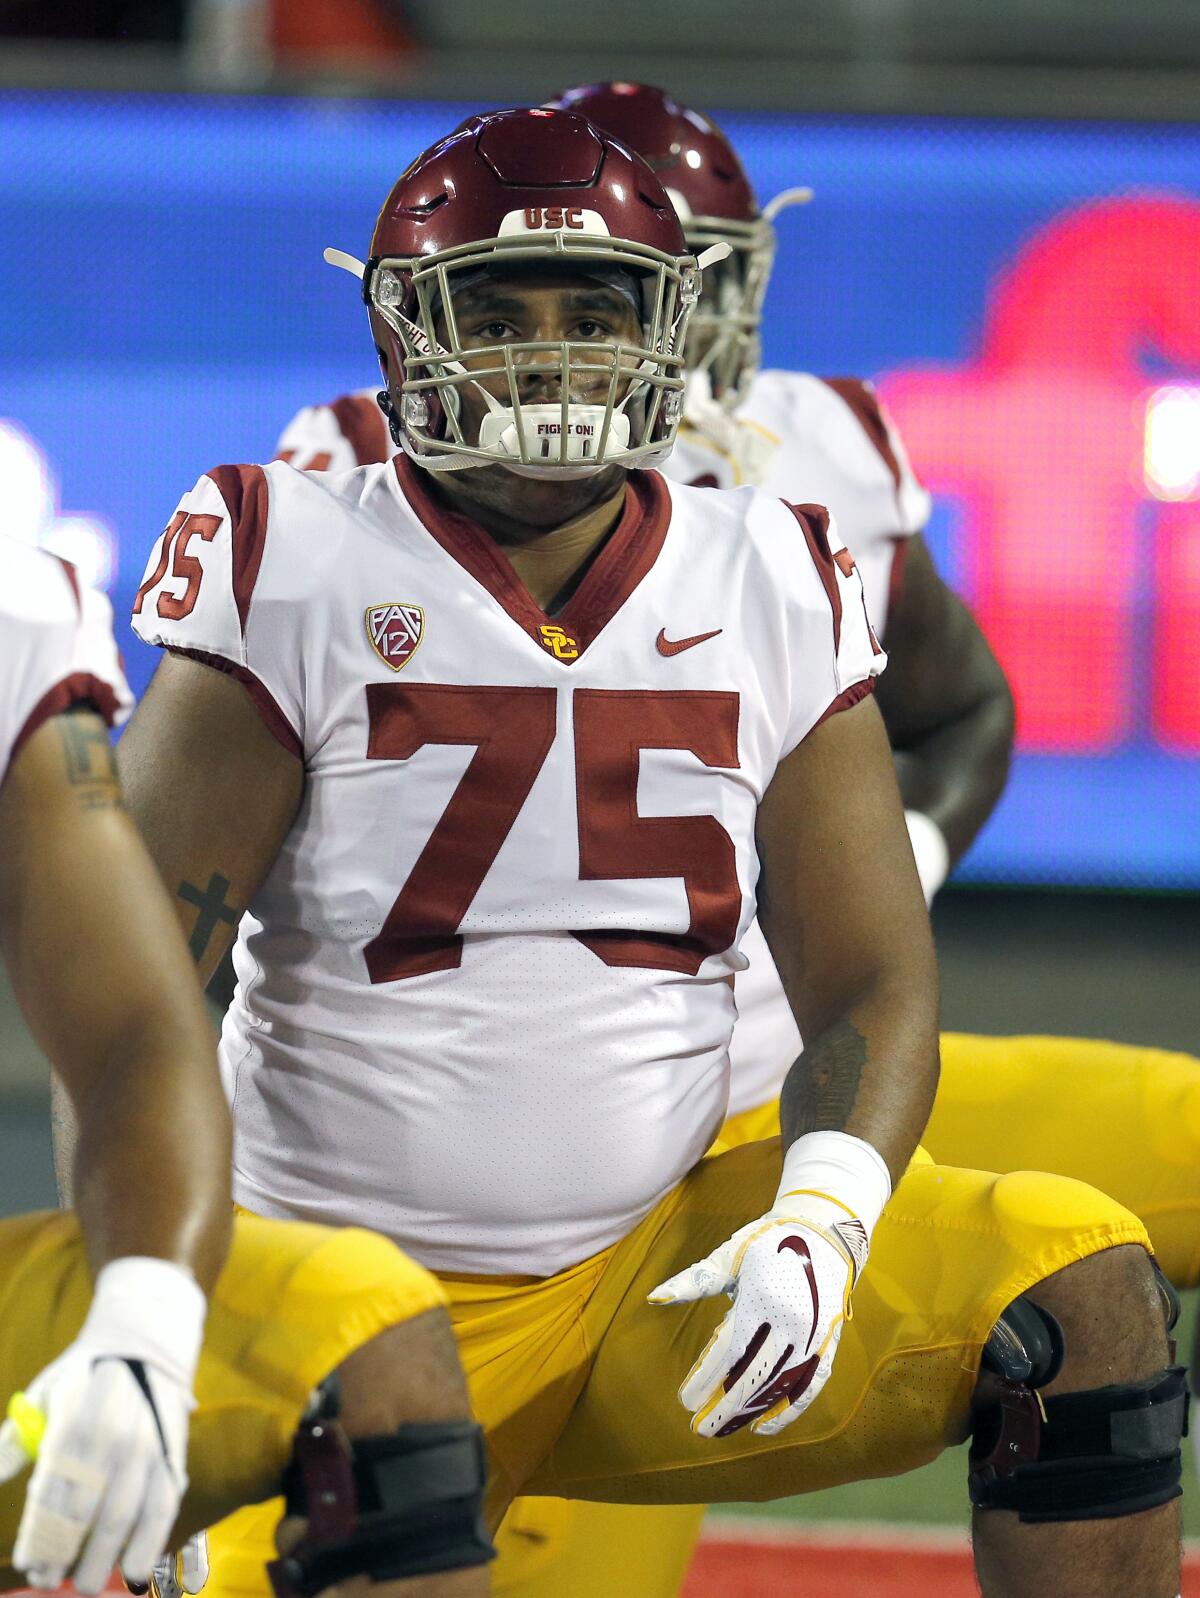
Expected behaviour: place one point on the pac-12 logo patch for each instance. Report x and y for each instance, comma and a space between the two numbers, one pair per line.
395, 631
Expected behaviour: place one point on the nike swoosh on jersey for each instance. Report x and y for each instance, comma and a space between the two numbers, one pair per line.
667, 646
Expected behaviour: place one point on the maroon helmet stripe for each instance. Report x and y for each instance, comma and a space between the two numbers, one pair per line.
362, 425
244, 490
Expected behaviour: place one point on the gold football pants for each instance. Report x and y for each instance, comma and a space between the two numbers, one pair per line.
291, 1304
1125, 1119
574, 1378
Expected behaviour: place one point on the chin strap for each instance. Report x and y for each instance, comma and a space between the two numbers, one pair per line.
348, 263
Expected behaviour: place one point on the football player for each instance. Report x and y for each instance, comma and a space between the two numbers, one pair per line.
482, 749
949, 717
146, 1342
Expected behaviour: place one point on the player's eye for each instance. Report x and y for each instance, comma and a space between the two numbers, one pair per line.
493, 332
589, 327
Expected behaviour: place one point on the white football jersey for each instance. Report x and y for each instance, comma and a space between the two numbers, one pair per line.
57, 647
803, 438
484, 996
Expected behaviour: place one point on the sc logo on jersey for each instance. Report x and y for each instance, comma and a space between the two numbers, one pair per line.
558, 643
395, 631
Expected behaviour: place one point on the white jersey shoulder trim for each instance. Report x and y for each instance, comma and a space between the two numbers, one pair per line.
238, 577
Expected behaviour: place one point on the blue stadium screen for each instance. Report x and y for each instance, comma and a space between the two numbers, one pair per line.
1026, 296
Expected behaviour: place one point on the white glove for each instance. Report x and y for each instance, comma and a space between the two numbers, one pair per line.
930, 851
112, 1413
789, 1274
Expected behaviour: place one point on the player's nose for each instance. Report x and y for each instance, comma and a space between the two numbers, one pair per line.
540, 376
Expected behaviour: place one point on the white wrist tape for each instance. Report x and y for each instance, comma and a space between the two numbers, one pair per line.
840, 1174
148, 1309
930, 850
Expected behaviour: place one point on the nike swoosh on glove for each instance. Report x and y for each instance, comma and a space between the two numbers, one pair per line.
110, 1468
790, 1275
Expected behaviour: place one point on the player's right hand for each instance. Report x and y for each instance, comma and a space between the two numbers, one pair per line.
789, 1274
110, 1465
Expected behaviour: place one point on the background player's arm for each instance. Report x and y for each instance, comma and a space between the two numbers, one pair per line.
946, 705
842, 912
214, 795
103, 979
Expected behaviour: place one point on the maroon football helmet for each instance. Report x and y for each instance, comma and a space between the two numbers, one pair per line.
507, 191
707, 184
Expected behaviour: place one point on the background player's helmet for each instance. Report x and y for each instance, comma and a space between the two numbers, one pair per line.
508, 190
709, 187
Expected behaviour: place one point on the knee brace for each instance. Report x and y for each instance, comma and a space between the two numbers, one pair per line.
1094, 1455
410, 1504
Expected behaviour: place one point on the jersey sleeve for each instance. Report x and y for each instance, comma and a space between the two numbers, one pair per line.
337, 437
201, 595
834, 655
59, 653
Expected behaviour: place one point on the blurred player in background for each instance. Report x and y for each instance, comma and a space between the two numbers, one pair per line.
181, 1333
549, 710
949, 716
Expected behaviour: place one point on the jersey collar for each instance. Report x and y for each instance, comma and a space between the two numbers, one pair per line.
631, 550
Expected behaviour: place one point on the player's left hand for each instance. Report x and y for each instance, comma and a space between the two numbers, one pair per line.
790, 1275
106, 1425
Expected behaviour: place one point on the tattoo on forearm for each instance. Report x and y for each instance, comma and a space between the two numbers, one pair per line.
821, 1089
210, 902
88, 755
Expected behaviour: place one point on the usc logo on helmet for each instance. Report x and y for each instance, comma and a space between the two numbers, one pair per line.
558, 643
554, 216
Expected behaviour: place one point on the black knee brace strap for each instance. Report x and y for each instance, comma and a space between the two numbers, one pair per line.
385, 1507
1081, 1456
